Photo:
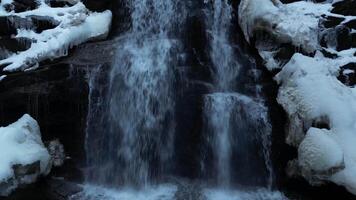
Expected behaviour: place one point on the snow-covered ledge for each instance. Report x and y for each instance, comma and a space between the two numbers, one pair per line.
321, 108
23, 157
76, 24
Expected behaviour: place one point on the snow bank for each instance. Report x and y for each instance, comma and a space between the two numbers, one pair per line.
295, 23
76, 25
23, 156
321, 109
320, 152
310, 90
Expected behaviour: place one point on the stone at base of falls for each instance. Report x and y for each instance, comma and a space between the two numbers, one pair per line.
46, 189
23, 157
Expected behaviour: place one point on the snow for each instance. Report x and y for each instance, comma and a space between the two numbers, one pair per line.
295, 22
309, 89
319, 151
20, 144
76, 25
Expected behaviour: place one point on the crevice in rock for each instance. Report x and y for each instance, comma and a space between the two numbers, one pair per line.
347, 74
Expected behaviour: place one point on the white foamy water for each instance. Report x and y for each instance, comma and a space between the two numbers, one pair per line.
257, 194
162, 192
168, 192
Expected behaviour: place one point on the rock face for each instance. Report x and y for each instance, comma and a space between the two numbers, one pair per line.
56, 150
316, 80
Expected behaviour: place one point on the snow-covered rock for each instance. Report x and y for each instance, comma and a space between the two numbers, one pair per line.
316, 88
295, 23
76, 24
319, 154
23, 157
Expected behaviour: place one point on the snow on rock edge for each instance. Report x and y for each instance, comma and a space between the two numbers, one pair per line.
23, 157
76, 25
310, 91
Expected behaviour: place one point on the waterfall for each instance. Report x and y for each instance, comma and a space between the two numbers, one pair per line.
232, 131
132, 119
226, 67
139, 127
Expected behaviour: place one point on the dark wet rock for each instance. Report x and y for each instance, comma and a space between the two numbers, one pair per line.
351, 24
99, 6
46, 189
328, 54
41, 23
94, 53
59, 3
346, 7
23, 174
289, 1
347, 74
331, 21
56, 151
15, 44
62, 190
343, 39
35, 23
321, 123
7, 29
22, 5
285, 53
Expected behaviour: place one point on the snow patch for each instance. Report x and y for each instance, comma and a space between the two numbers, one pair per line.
76, 25
295, 22
309, 89
319, 151
20, 144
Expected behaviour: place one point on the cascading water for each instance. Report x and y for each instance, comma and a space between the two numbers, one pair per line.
232, 132
137, 142
131, 124
226, 68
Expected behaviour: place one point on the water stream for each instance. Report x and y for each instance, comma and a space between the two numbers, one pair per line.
131, 125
